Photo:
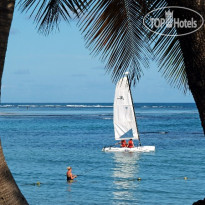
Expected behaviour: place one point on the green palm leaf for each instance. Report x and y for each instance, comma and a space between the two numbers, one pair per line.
114, 29
171, 62
168, 53
48, 13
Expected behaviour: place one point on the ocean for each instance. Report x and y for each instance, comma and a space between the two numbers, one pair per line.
41, 140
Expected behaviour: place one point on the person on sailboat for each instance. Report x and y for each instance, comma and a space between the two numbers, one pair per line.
130, 144
69, 174
123, 143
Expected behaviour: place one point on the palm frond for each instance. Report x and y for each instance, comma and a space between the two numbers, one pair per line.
171, 63
48, 13
114, 29
168, 54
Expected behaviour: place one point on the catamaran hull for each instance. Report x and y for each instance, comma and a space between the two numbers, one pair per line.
125, 149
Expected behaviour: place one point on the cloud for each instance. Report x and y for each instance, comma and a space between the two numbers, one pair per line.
79, 75
99, 68
14, 31
6, 86
22, 72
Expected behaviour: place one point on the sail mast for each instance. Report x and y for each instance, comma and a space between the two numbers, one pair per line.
133, 105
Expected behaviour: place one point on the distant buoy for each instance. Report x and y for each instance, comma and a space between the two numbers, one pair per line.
38, 183
138, 179
185, 178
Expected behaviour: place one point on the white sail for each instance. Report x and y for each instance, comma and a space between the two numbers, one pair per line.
124, 116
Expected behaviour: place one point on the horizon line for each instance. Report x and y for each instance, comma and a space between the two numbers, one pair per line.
91, 102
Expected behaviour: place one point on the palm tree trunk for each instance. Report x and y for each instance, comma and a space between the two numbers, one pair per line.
9, 191
193, 48
6, 16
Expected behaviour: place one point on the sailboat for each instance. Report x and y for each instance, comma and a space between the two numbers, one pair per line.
124, 119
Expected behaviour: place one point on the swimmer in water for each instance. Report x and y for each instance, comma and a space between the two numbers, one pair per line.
69, 174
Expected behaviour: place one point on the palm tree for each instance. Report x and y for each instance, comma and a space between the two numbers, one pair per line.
193, 47
47, 14
114, 29
9, 192
6, 15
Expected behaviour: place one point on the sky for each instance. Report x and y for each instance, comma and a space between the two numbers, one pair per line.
59, 68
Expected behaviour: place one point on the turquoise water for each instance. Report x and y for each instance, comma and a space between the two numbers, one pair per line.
41, 140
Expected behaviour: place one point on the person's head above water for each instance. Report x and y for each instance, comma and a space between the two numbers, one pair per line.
69, 168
